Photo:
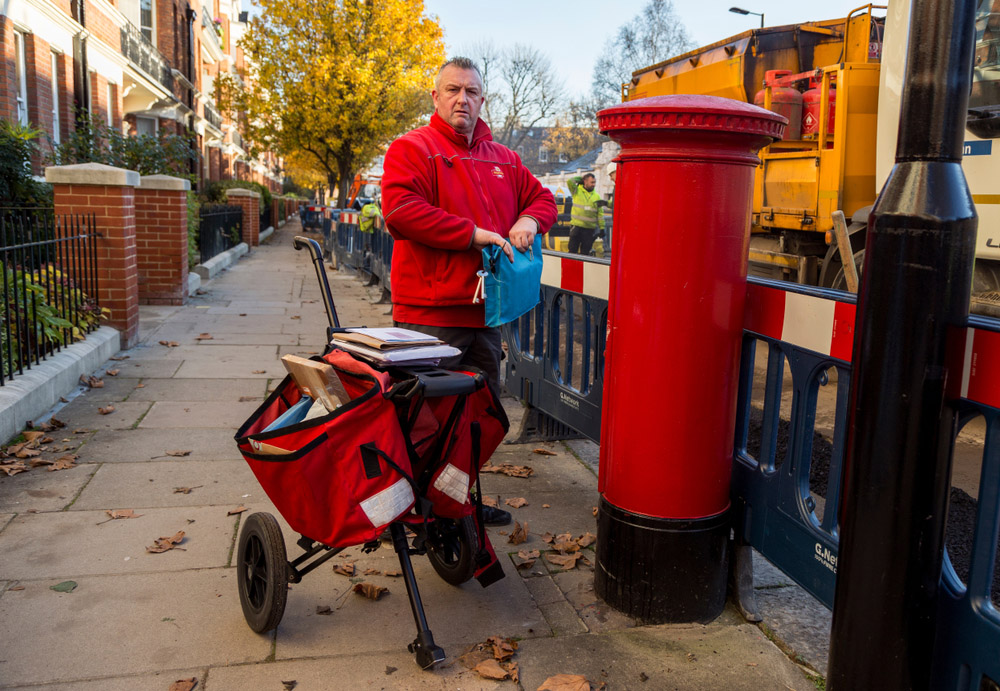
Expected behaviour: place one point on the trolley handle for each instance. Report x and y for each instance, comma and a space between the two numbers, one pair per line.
316, 251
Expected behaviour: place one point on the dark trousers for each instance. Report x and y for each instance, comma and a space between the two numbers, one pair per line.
480, 347
581, 240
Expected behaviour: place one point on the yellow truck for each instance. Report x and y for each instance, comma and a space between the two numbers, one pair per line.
838, 150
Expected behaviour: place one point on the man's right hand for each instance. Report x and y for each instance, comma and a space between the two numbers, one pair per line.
483, 238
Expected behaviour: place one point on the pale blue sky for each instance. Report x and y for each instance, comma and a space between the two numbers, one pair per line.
572, 34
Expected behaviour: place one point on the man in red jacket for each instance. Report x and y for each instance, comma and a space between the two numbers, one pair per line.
448, 191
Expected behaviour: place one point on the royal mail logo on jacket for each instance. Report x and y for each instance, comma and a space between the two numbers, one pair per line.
497, 173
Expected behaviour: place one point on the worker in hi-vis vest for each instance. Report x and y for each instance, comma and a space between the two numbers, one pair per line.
371, 216
585, 217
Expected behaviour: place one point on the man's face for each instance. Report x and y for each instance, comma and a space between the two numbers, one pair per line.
589, 183
458, 98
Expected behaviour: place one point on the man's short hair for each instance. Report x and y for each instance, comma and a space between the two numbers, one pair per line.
460, 62
588, 175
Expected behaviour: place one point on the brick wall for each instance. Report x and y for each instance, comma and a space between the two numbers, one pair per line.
8, 83
249, 202
162, 245
102, 26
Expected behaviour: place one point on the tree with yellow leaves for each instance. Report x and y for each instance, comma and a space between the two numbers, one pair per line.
335, 81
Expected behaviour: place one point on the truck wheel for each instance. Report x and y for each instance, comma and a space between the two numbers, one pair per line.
832, 266
840, 280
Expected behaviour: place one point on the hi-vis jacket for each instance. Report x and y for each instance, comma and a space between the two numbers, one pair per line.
436, 189
369, 212
585, 212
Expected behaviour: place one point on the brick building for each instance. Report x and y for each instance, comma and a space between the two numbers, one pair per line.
142, 66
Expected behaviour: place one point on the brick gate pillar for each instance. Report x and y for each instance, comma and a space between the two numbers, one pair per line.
249, 201
109, 194
161, 231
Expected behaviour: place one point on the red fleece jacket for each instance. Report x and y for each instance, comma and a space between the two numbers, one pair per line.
435, 190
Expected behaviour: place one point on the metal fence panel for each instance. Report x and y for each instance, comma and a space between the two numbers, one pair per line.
220, 229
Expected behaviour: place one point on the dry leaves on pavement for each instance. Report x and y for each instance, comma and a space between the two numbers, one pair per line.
238, 510
110, 408
519, 534
186, 490
184, 684
517, 502
565, 682
492, 659
490, 501
179, 453
586, 540
394, 574
204, 337
119, 358
113, 372
345, 569
117, 514
372, 572
370, 590
169, 344
491, 669
91, 382
259, 371
323, 609
507, 469
64, 587
63, 463
545, 452
165, 544
565, 561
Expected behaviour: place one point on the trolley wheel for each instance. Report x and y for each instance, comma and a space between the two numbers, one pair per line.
262, 572
452, 547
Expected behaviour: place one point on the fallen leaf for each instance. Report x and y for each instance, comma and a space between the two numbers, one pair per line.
394, 574
32, 435
46, 440
259, 371
547, 537
244, 399
565, 547
52, 424
14, 468
517, 502
372, 572
16, 587
566, 561
491, 669
289, 685
691, 657
507, 469
140, 386
545, 452
184, 684
238, 510
204, 337
524, 565
25, 452
108, 410
595, 512
119, 358
565, 682
122, 513
389, 669
564, 537
490, 501
113, 372
186, 490
587, 539
503, 648
520, 533
64, 587
345, 569
370, 590
296, 317
64, 463
92, 382
169, 344
546, 506
323, 609
81, 431
186, 452
165, 544
525, 554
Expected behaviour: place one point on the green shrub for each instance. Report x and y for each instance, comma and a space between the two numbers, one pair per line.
215, 191
17, 186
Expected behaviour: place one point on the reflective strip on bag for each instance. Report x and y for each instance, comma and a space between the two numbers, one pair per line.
453, 483
389, 504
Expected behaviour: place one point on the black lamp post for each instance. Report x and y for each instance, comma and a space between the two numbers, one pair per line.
740, 10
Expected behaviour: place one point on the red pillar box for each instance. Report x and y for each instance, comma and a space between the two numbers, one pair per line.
249, 201
161, 238
109, 194
678, 280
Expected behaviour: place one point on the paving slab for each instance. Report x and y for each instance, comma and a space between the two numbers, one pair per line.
220, 390
577, 585
199, 414
116, 388
799, 621
130, 445
386, 670
156, 367
113, 626
81, 543
265, 368
41, 490
84, 413
153, 484
721, 655
156, 681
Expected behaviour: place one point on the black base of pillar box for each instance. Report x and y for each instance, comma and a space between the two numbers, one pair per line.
662, 570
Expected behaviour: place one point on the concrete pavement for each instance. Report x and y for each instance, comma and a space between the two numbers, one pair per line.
138, 620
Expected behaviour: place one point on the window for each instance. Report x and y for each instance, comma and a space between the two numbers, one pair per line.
21, 75
55, 98
562, 158
543, 155
146, 126
146, 19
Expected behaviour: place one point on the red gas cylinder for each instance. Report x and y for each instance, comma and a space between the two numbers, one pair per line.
812, 106
785, 101
675, 325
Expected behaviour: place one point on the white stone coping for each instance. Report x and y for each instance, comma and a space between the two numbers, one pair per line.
214, 266
265, 234
32, 394
164, 182
91, 174
193, 283
240, 192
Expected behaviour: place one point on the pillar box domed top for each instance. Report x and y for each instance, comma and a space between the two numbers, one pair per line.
658, 117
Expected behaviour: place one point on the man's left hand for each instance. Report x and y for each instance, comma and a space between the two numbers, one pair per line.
522, 233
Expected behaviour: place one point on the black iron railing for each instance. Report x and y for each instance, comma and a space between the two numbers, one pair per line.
213, 116
265, 216
141, 53
221, 228
49, 285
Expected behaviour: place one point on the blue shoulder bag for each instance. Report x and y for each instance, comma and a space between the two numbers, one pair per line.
510, 289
